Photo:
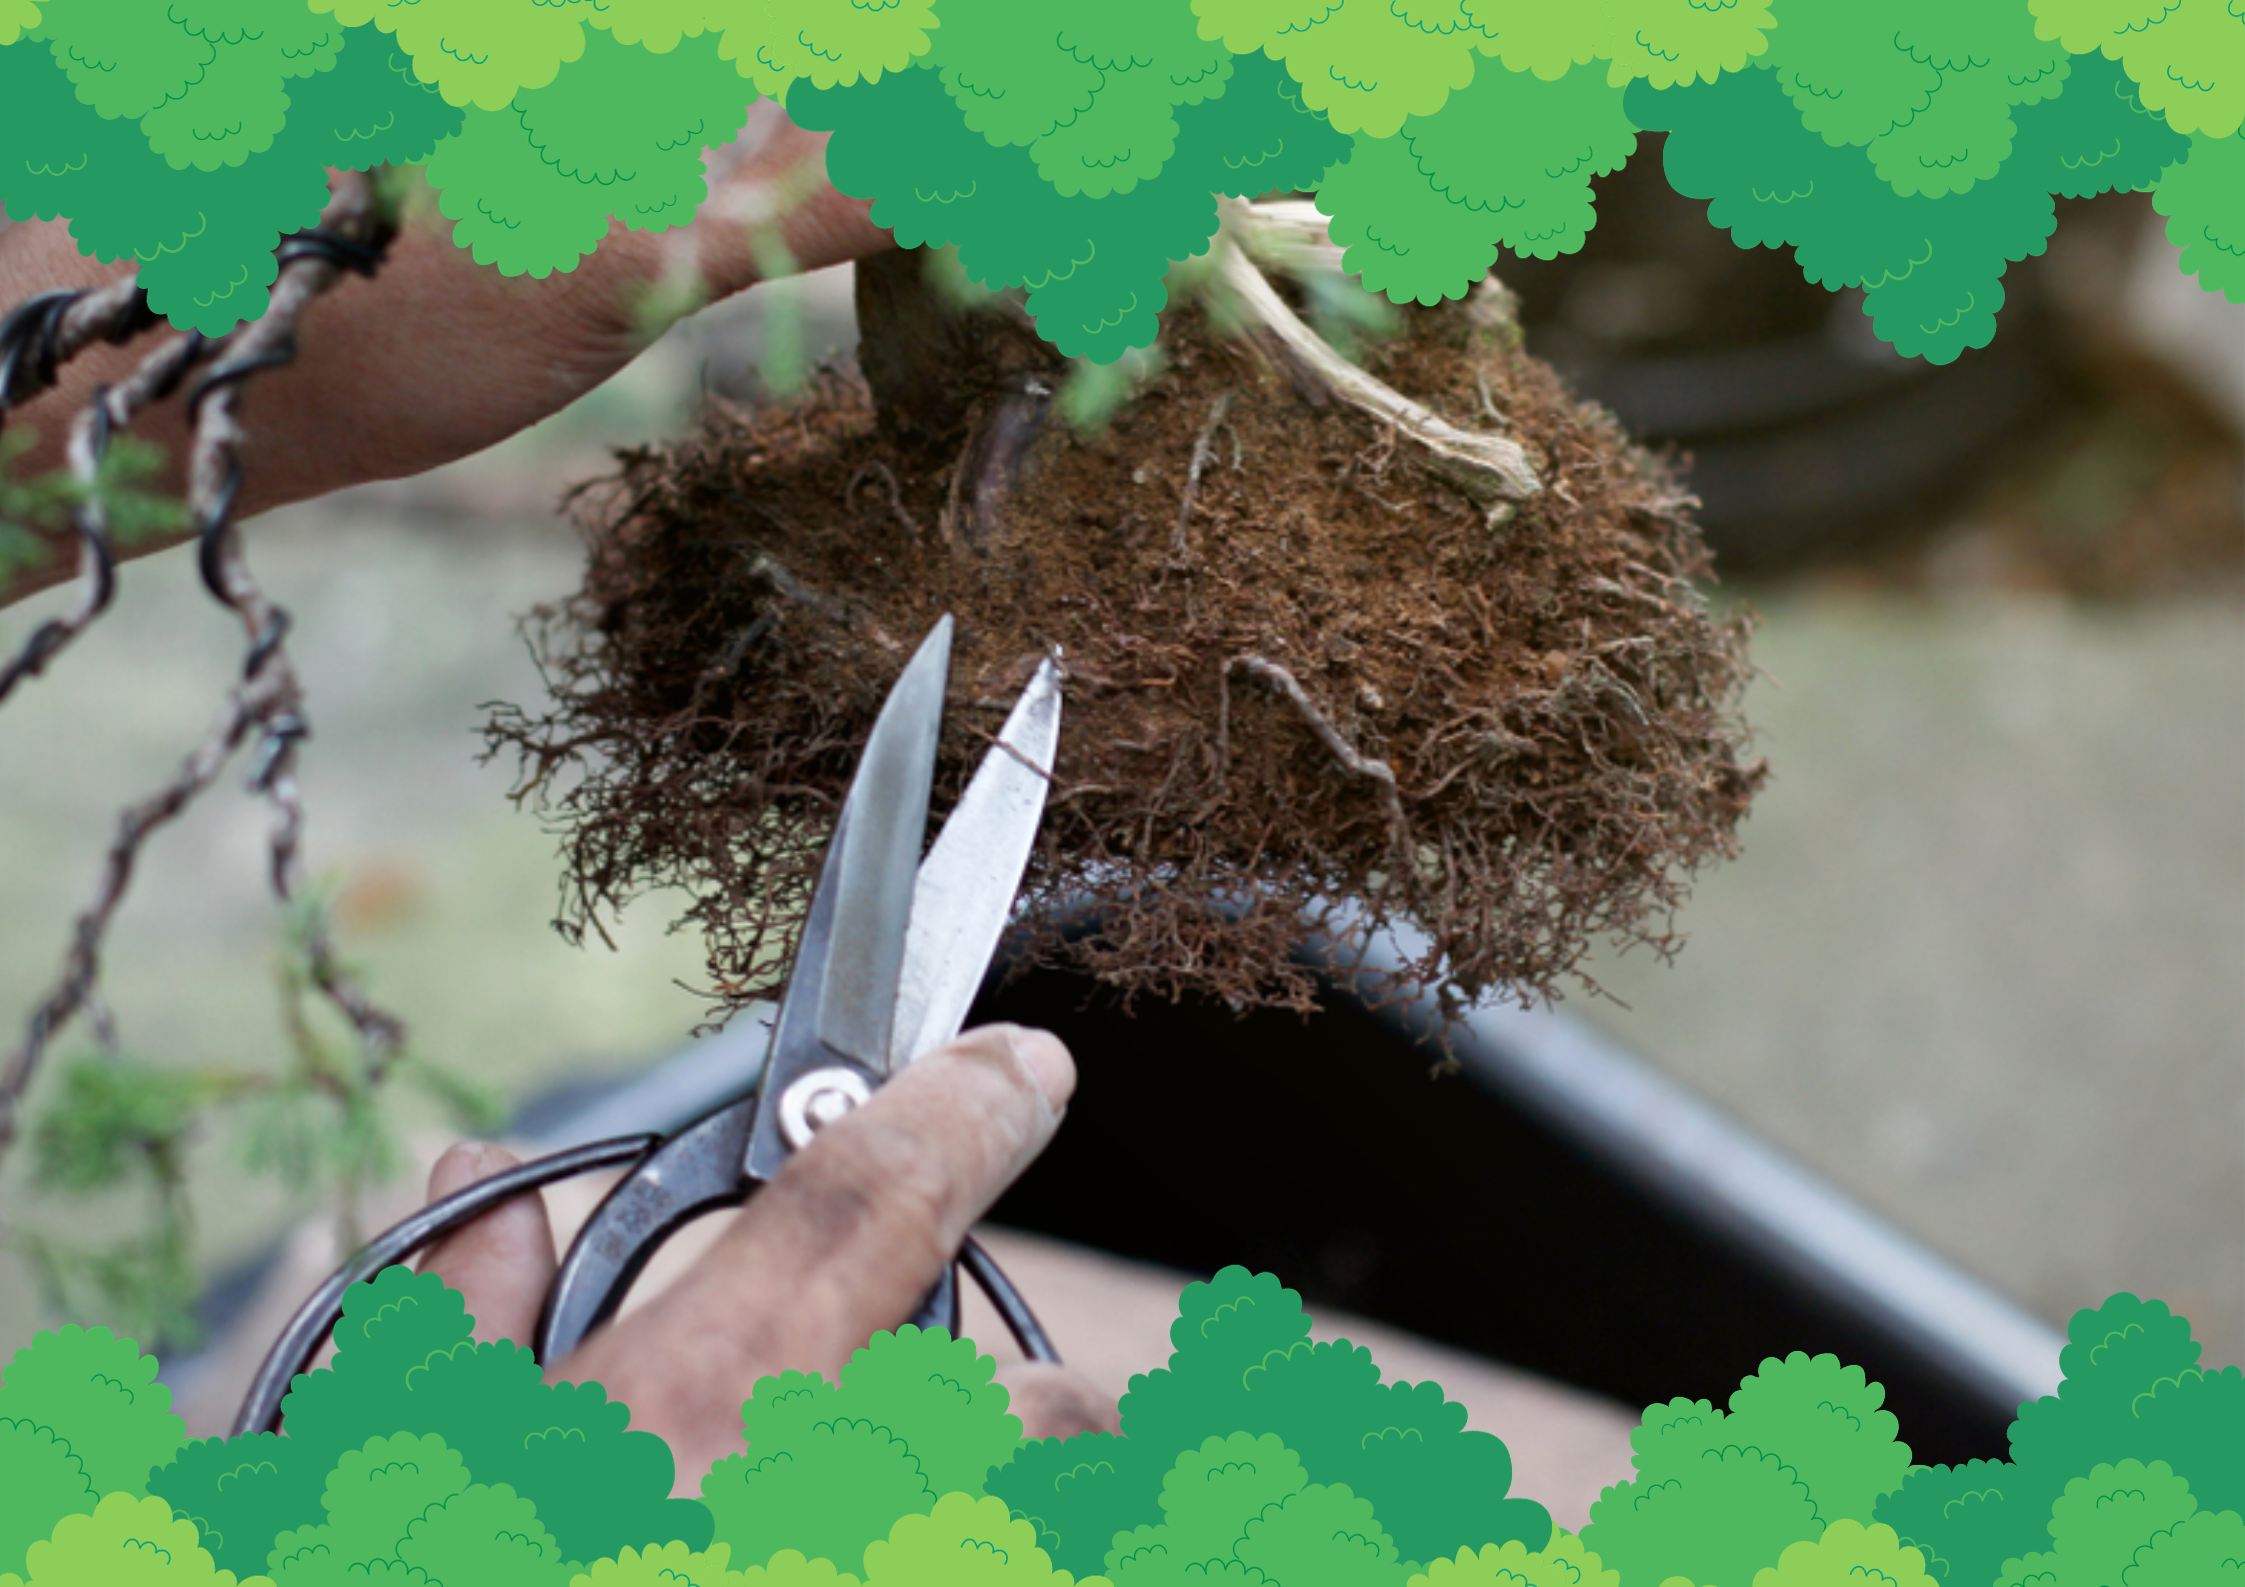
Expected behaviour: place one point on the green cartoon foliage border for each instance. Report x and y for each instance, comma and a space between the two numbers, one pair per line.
1911, 149
1256, 1456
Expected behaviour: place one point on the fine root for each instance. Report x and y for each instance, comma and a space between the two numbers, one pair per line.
1203, 449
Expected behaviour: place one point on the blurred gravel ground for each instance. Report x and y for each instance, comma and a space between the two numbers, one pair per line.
1983, 961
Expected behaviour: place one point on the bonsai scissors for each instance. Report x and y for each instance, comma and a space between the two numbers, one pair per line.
893, 951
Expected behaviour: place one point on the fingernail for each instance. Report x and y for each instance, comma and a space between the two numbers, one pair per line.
465, 1164
1046, 1059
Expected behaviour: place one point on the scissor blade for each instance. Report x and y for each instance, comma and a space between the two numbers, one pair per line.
967, 883
874, 874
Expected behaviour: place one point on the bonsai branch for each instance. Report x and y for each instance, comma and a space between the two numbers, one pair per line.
269, 700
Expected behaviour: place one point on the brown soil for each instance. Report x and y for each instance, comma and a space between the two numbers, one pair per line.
1521, 738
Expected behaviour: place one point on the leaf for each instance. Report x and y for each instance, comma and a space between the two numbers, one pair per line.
93, 1134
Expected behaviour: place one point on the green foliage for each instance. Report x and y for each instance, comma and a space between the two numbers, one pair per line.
531, 187
827, 1493
1663, 41
476, 52
1719, 1495
1563, 1562
44, 1479
676, 1565
2206, 1549
1093, 100
963, 1542
940, 1396
830, 1466
1930, 268
1321, 1534
1207, 1499
405, 1360
1076, 153
1094, 267
372, 1496
2100, 1522
241, 1492
829, 43
483, 1534
1722, 1515
125, 1542
788, 1568
1825, 1420
2133, 1391
203, 238
2184, 53
1243, 1363
43, 502
1926, 88
1849, 1554
1508, 160
98, 1393
2203, 198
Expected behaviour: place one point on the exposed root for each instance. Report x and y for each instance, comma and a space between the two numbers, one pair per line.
880, 470
1490, 469
1378, 771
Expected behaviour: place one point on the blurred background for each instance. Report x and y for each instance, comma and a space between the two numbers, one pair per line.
1982, 962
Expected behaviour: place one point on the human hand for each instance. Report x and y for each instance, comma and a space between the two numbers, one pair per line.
846, 1241
437, 357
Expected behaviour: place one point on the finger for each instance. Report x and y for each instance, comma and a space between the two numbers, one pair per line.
1054, 1402
843, 1243
503, 1262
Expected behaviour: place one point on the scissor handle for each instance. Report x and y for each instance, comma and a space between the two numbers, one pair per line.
300, 1341
604, 1258
697, 1170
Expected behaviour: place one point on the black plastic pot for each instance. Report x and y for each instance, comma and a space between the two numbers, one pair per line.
1554, 1205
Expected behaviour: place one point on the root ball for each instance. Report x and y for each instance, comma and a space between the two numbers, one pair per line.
1311, 685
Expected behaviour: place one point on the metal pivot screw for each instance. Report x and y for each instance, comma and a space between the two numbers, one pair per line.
816, 1100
